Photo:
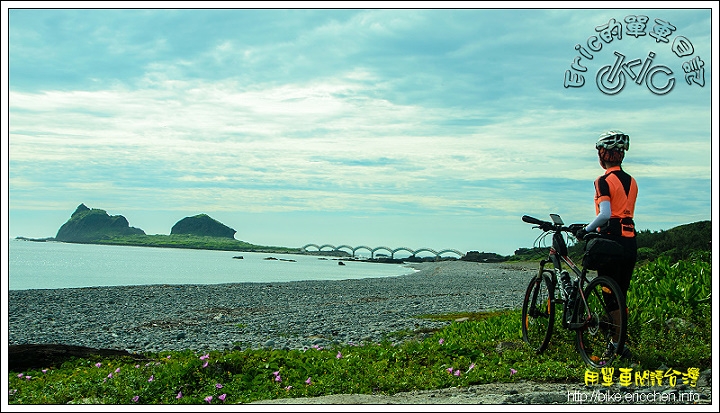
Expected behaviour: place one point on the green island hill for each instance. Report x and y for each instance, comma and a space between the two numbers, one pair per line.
95, 226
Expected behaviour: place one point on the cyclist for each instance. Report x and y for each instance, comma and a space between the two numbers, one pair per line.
615, 195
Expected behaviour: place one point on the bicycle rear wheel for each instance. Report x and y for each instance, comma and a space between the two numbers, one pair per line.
538, 312
605, 320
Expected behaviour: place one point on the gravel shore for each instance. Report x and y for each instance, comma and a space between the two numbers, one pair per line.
305, 314
252, 315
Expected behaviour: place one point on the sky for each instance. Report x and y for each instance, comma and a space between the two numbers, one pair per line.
418, 128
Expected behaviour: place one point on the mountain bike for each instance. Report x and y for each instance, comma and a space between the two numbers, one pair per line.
593, 308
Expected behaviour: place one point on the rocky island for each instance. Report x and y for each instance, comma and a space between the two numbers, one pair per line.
95, 226
204, 226
88, 225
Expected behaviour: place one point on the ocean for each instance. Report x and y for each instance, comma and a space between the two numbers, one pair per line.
50, 265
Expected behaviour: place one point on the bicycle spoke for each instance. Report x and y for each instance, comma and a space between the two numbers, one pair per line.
602, 325
538, 313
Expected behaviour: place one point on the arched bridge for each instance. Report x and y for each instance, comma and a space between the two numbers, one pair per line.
372, 251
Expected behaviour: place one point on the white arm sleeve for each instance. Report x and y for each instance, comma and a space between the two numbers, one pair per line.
602, 217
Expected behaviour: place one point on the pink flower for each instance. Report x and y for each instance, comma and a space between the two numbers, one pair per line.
457, 372
152, 377
168, 357
308, 381
44, 371
135, 399
179, 395
137, 366
205, 365
98, 365
110, 376
117, 370
20, 376
28, 377
205, 357
339, 355
218, 386
208, 399
278, 378
442, 340
287, 388
449, 370
472, 366
512, 371
222, 397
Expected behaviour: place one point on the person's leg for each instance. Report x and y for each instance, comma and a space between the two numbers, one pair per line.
621, 273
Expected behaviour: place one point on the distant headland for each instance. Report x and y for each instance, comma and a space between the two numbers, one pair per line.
96, 226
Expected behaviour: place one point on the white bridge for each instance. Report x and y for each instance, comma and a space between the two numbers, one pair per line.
372, 251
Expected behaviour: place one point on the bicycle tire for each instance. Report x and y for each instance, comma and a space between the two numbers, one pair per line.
593, 339
538, 312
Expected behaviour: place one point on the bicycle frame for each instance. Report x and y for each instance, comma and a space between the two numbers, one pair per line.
580, 277
588, 307
557, 255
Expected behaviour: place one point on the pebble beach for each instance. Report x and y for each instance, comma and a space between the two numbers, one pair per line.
288, 315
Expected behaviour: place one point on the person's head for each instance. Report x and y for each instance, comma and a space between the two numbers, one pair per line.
611, 146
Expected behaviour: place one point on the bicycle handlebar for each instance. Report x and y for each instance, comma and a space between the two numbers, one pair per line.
531, 220
549, 226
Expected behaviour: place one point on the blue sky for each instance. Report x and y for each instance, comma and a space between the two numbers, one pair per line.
432, 128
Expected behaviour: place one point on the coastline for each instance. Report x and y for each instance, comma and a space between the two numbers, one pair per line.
283, 315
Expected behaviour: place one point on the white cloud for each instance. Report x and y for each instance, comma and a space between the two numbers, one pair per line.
385, 111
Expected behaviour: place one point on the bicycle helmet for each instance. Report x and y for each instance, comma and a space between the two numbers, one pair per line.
613, 140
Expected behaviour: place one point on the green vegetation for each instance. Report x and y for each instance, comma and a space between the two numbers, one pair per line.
677, 243
193, 242
485, 348
670, 313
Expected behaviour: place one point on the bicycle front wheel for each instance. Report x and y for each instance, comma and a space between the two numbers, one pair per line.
605, 322
538, 312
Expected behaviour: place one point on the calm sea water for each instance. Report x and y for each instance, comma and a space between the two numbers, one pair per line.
43, 265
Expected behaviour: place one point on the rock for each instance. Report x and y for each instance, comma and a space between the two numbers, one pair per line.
88, 225
705, 378
35, 356
679, 324
202, 225
507, 345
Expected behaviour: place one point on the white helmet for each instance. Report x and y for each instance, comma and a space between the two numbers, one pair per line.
613, 139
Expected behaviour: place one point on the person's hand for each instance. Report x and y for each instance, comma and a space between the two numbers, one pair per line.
580, 234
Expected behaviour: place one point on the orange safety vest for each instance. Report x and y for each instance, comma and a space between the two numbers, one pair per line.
618, 187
